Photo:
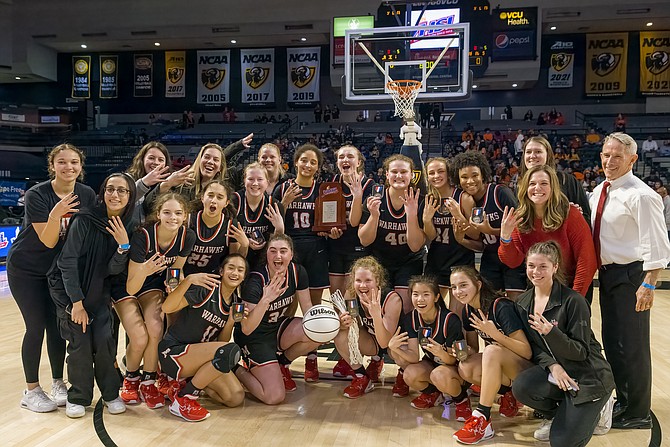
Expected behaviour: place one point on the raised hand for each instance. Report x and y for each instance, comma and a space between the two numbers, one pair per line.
510, 221
154, 264
293, 192
411, 201
431, 206
373, 205
483, 324
180, 177
117, 230
539, 323
274, 289
156, 175
275, 217
237, 233
355, 184
399, 340
207, 280
66, 205
246, 141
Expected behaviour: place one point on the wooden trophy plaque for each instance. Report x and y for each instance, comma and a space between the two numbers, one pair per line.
331, 208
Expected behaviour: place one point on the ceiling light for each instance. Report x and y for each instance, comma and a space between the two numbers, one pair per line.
233, 41
158, 44
303, 39
515, 85
553, 28
18, 78
650, 23
83, 45
474, 86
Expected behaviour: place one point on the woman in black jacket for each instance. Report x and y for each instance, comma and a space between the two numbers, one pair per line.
95, 250
571, 381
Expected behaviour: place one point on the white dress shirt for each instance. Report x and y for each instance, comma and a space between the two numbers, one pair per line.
649, 146
633, 224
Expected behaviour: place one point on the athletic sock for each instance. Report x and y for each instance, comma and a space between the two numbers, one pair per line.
234, 368
283, 360
149, 377
312, 355
463, 395
376, 358
504, 389
430, 389
360, 372
486, 411
189, 390
133, 375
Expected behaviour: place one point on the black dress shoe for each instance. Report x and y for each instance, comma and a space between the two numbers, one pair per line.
618, 409
625, 423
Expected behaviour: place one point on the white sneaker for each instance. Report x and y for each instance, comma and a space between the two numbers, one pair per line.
116, 406
59, 392
605, 420
74, 410
542, 433
37, 400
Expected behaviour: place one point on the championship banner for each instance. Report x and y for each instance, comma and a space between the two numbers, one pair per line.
654, 63
144, 75
213, 77
606, 62
81, 77
561, 64
258, 77
109, 77
303, 74
175, 74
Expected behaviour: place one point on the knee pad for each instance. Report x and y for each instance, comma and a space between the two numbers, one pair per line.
226, 357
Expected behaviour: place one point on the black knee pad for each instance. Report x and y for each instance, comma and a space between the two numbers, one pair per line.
226, 357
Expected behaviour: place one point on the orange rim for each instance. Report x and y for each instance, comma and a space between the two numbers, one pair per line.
404, 87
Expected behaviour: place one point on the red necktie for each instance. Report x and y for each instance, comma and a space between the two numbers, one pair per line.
599, 216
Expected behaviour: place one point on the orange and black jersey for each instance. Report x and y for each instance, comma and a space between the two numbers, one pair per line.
296, 279
495, 200
144, 244
211, 245
446, 328
204, 317
390, 246
502, 312
299, 216
349, 240
383, 300
444, 252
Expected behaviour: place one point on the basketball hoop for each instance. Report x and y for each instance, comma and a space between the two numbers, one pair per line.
404, 92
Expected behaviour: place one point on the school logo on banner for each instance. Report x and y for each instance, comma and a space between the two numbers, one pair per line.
109, 84
606, 57
143, 64
257, 68
654, 63
175, 69
214, 85
561, 61
81, 77
303, 74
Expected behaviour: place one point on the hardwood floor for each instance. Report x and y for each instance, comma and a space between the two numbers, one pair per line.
313, 415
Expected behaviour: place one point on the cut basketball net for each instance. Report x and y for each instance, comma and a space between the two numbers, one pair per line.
355, 356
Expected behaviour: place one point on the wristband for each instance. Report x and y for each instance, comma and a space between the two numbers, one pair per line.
505, 241
648, 286
124, 246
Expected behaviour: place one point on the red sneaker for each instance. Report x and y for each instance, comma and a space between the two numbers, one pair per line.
289, 383
343, 369
188, 409
374, 369
474, 390
358, 387
400, 388
163, 383
130, 391
509, 407
476, 429
427, 400
311, 370
463, 410
151, 396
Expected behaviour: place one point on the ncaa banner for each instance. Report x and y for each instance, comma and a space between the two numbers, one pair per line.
561, 64
213, 77
258, 77
175, 74
143, 65
606, 61
654, 63
81, 77
109, 77
303, 74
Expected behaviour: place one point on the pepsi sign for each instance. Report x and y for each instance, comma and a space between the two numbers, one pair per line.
513, 45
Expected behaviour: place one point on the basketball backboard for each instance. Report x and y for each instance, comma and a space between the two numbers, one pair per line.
434, 53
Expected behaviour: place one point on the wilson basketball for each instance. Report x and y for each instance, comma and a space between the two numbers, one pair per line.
321, 323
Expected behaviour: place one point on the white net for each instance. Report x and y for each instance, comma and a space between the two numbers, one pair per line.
404, 94
355, 356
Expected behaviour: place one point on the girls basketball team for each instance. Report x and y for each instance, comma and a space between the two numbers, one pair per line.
189, 265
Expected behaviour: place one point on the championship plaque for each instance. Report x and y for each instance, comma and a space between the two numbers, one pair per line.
331, 209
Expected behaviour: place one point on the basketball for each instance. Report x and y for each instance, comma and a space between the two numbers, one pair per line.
321, 323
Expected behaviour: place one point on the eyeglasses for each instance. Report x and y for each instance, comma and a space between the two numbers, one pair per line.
122, 192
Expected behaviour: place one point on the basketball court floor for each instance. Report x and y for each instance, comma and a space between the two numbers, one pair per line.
316, 414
